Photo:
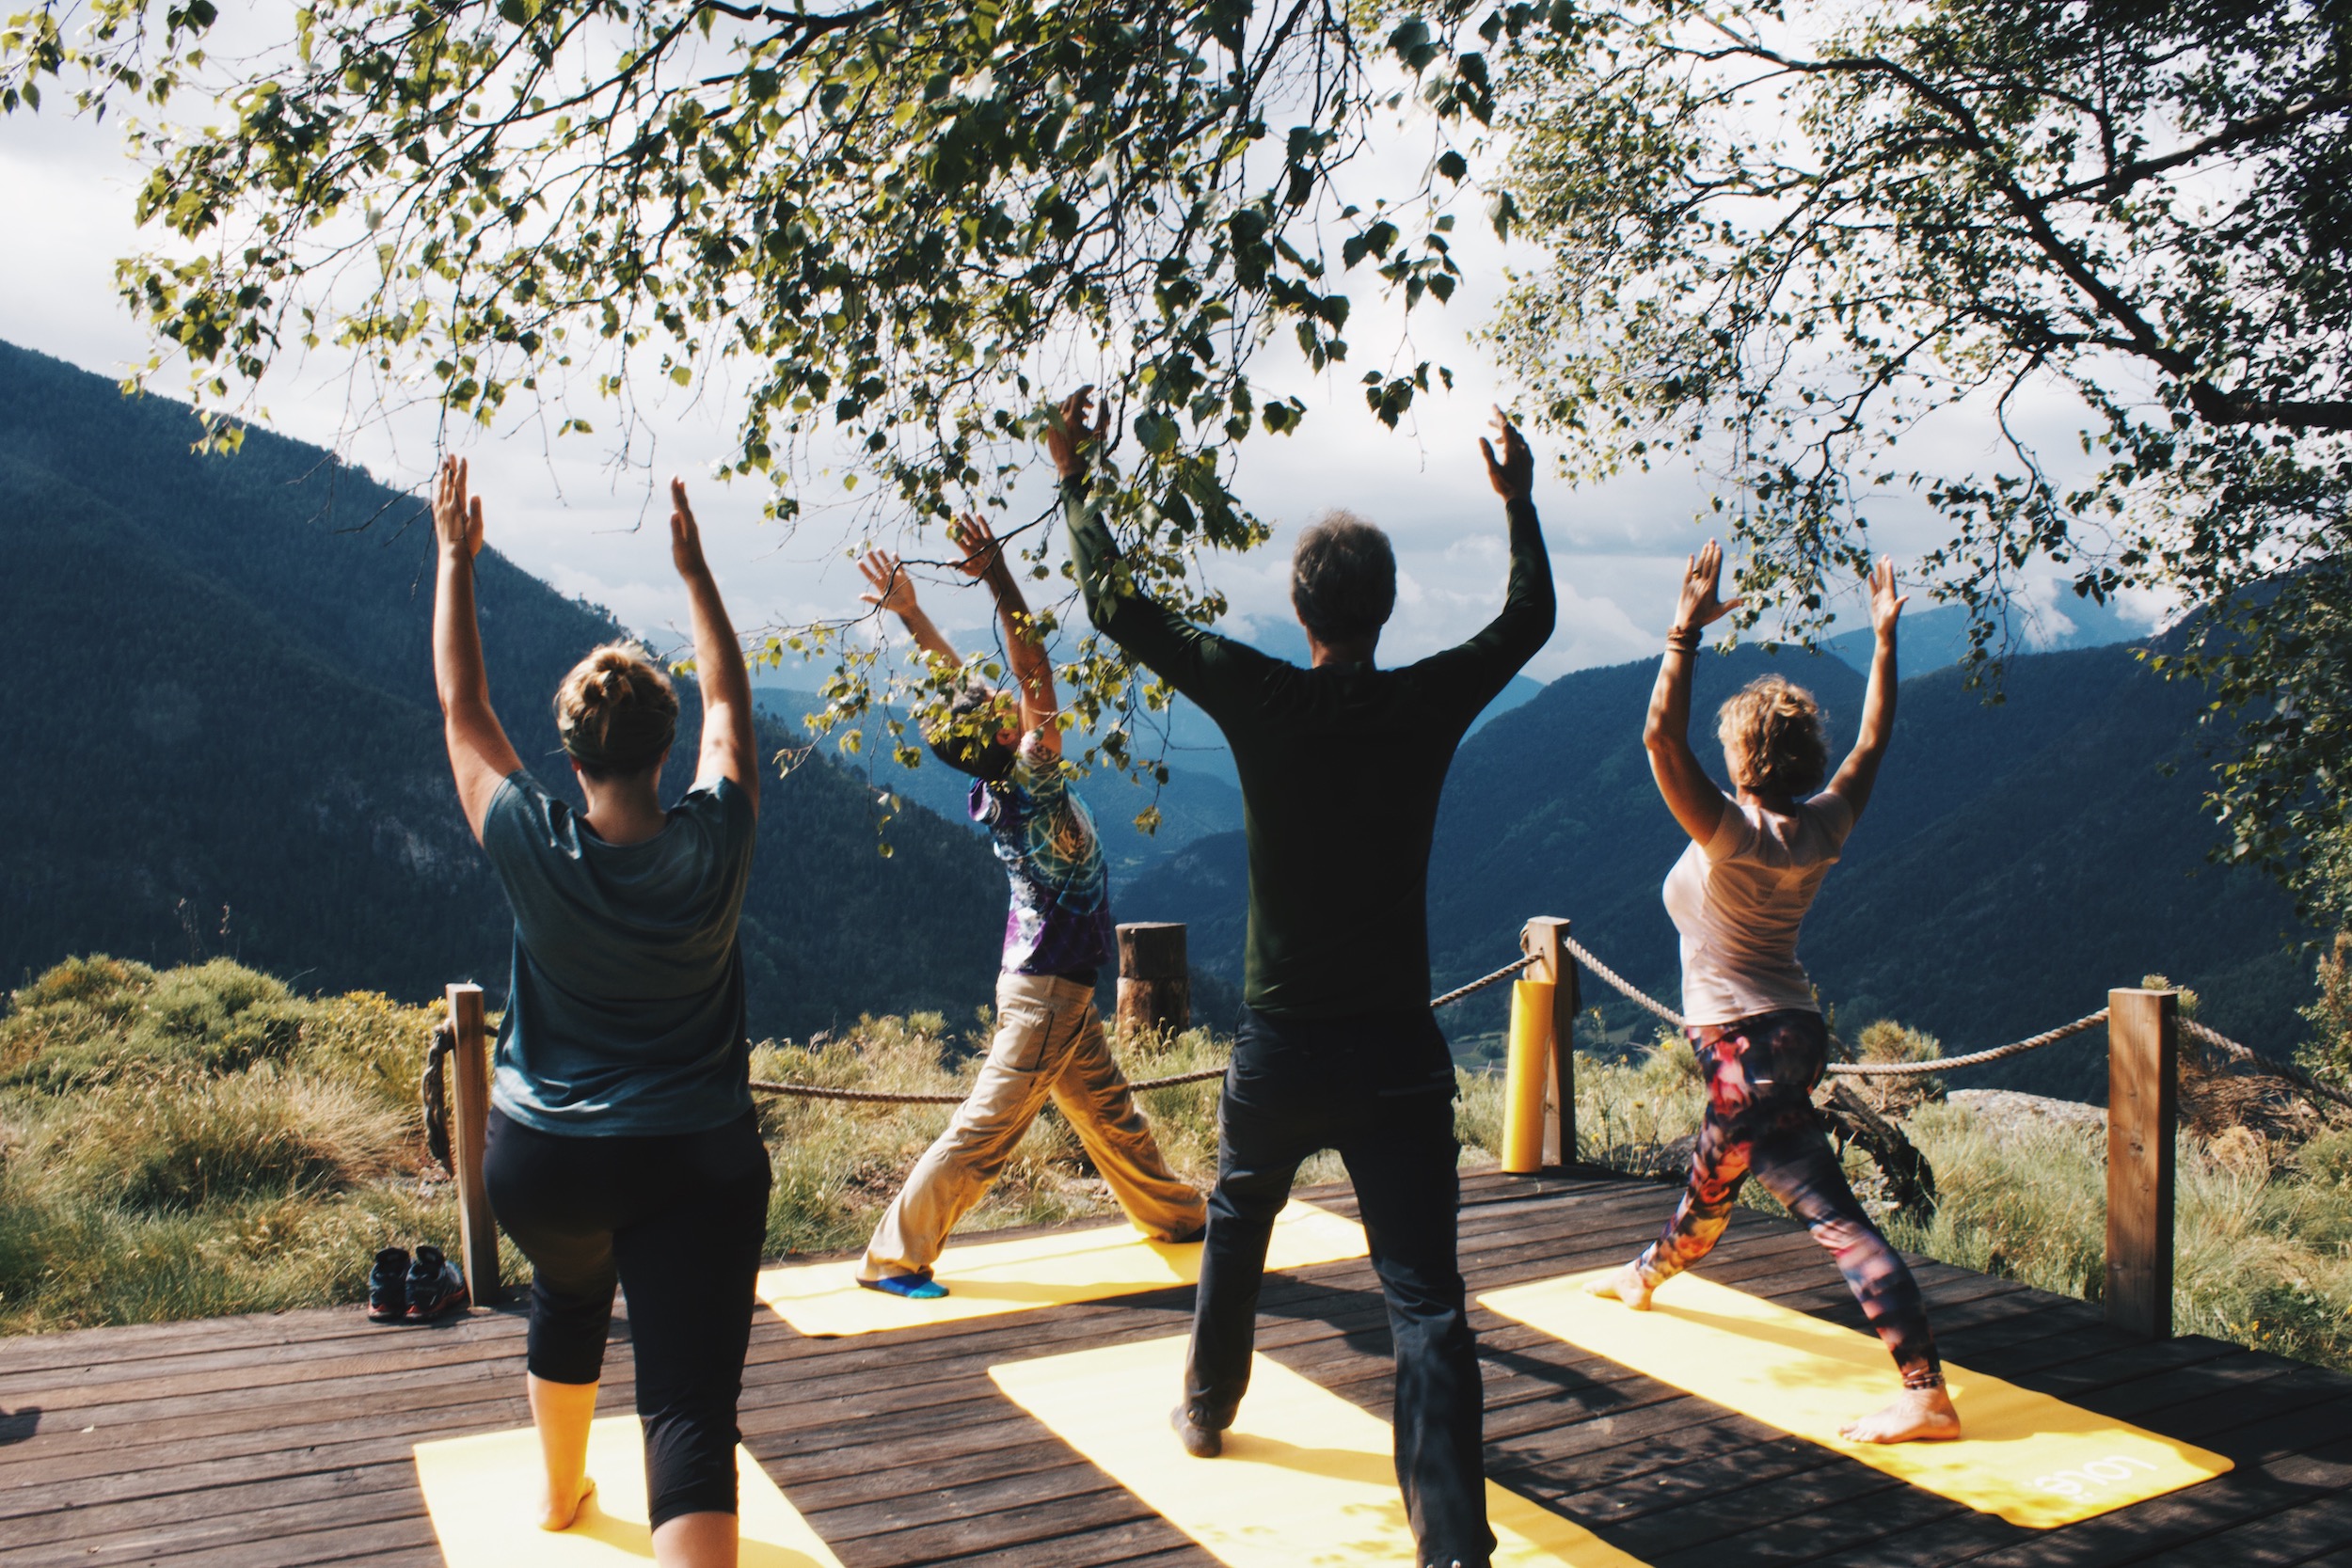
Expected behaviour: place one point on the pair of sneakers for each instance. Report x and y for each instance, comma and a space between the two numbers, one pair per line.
402, 1289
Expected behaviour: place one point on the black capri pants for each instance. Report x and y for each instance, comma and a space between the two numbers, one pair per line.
678, 1222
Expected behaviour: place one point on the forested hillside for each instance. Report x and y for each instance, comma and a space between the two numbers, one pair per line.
2017, 860
223, 738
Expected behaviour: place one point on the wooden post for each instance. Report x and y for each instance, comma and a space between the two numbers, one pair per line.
1527, 1078
468, 1135
1541, 937
2143, 1053
1154, 980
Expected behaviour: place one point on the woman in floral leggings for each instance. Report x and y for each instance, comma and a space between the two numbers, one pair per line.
1738, 896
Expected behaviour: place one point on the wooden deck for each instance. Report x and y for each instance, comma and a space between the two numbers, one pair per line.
271, 1441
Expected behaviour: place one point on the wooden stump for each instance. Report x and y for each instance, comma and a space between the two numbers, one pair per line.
1154, 980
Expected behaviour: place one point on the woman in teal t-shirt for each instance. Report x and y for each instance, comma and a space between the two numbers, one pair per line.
623, 1148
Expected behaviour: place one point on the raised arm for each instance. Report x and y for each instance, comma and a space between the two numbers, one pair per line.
1478, 669
1198, 662
729, 751
889, 587
479, 756
984, 559
1690, 795
1860, 771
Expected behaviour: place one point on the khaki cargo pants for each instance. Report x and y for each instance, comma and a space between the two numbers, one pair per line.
1049, 1041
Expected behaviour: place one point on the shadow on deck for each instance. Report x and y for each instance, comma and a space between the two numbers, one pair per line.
284, 1440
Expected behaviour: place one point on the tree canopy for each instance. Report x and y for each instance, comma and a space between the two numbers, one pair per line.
1781, 238
1793, 250
904, 224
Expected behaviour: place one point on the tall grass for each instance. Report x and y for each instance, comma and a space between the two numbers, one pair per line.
200, 1141
197, 1141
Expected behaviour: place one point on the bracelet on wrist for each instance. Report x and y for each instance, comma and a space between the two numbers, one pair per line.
1685, 641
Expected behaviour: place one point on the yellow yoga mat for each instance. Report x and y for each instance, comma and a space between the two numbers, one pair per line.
1306, 1477
480, 1492
1057, 1269
2033, 1460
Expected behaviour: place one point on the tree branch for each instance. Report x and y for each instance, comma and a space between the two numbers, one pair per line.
2116, 181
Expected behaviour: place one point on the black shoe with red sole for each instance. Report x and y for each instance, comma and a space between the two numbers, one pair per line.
434, 1286
388, 1287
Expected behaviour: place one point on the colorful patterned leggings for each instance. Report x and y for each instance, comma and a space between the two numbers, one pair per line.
1760, 1121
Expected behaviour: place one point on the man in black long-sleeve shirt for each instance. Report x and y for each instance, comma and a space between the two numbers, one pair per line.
1341, 766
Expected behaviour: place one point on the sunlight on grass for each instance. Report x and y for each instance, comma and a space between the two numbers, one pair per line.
201, 1141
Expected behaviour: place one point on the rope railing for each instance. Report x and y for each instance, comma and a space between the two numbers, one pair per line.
1198, 1075
1848, 1070
1633, 993
1973, 1058
1540, 1099
2246, 1054
2269, 1065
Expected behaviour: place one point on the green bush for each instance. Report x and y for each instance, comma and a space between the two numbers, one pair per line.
182, 1142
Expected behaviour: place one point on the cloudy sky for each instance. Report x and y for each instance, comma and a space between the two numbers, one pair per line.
580, 520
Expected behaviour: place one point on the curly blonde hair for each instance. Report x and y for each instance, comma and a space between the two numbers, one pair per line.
1771, 735
616, 712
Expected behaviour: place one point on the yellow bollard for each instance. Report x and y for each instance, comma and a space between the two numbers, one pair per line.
1524, 1076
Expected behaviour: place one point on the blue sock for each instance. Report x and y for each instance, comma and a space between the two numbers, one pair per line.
915, 1287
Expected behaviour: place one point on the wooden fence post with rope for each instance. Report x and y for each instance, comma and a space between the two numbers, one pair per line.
469, 1131
1541, 940
2143, 1087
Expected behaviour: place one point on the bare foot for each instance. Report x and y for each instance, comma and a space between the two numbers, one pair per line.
1627, 1285
554, 1518
1917, 1416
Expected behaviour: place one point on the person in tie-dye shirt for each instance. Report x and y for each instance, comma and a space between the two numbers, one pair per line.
1057, 936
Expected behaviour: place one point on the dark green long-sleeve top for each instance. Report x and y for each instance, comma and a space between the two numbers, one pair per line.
1340, 770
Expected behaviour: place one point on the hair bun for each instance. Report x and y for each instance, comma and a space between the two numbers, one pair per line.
616, 711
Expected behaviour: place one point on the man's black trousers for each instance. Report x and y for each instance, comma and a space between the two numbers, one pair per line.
1379, 1090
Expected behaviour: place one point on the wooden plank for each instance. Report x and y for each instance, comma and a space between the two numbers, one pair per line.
263, 1359
2143, 1052
230, 1454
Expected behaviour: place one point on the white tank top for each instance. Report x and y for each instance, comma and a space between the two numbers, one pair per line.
1738, 899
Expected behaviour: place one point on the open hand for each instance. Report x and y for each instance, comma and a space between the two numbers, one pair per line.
1513, 474
686, 537
1068, 437
894, 590
1885, 604
1701, 580
456, 516
983, 555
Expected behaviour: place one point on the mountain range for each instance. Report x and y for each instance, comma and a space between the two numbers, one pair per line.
226, 739
226, 742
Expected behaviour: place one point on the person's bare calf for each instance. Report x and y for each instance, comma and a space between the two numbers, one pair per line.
1916, 1415
1627, 1285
